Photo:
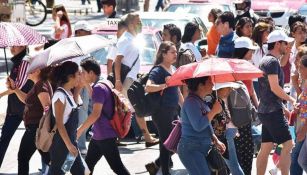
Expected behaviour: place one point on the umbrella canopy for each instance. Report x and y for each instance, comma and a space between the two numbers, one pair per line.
66, 49
17, 34
220, 69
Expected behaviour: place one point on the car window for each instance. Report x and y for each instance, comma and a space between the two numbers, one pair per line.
201, 10
159, 23
147, 46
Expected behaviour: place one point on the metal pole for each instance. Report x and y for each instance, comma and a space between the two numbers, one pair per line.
6, 65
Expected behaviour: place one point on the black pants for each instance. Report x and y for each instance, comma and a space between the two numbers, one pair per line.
163, 119
27, 148
9, 127
108, 149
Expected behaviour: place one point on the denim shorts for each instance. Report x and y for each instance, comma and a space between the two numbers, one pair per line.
275, 127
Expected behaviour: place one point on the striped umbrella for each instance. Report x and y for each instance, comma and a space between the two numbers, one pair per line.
17, 34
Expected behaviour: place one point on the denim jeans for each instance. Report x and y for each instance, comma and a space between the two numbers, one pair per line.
232, 162
256, 133
302, 158
83, 114
192, 154
9, 127
295, 168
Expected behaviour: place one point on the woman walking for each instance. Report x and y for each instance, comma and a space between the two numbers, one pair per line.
169, 97
37, 99
66, 77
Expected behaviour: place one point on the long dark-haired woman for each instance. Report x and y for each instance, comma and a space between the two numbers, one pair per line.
244, 27
62, 26
170, 98
37, 99
66, 77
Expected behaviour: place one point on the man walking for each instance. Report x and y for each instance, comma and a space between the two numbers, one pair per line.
275, 127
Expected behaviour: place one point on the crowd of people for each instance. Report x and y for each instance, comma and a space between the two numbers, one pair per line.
79, 101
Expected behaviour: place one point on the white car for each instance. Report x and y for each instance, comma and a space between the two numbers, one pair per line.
158, 19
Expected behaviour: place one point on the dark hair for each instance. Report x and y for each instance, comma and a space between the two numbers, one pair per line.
241, 23
304, 61
44, 74
194, 82
189, 30
91, 65
163, 48
258, 31
228, 17
61, 73
121, 24
271, 46
297, 25
215, 13
294, 18
109, 2
266, 19
240, 53
173, 31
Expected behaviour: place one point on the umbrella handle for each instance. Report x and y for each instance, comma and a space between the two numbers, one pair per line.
6, 64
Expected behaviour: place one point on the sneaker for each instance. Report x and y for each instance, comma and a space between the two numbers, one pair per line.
83, 152
274, 171
152, 168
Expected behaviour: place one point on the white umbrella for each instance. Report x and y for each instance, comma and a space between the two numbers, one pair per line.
66, 49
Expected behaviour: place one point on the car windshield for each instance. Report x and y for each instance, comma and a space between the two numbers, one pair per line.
146, 43
159, 23
201, 10
303, 10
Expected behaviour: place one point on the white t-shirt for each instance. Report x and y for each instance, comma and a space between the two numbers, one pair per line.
112, 51
58, 95
258, 55
127, 47
63, 35
194, 50
292, 59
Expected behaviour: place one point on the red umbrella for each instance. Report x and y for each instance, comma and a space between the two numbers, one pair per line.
220, 69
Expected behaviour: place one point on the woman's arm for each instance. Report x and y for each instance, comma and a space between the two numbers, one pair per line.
152, 87
44, 98
254, 96
6, 92
97, 108
181, 99
59, 108
21, 95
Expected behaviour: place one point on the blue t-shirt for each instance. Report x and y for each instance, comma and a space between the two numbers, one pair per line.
102, 128
169, 96
226, 46
269, 102
195, 123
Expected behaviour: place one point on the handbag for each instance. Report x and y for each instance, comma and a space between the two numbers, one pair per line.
216, 162
124, 70
172, 141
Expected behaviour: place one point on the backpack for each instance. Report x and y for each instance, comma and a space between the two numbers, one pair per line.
47, 128
185, 56
144, 104
240, 106
120, 119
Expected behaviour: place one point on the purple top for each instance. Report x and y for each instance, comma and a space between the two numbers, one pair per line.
102, 128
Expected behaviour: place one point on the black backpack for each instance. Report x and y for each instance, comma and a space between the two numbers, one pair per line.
144, 104
240, 106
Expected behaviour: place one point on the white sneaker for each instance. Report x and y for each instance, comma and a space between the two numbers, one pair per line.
274, 171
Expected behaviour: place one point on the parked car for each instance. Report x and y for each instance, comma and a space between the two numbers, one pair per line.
158, 19
149, 41
199, 7
279, 10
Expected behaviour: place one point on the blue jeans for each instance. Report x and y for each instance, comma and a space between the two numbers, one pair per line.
295, 168
192, 154
9, 127
302, 158
256, 133
83, 114
232, 162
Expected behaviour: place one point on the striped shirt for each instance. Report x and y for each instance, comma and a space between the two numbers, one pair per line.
22, 73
